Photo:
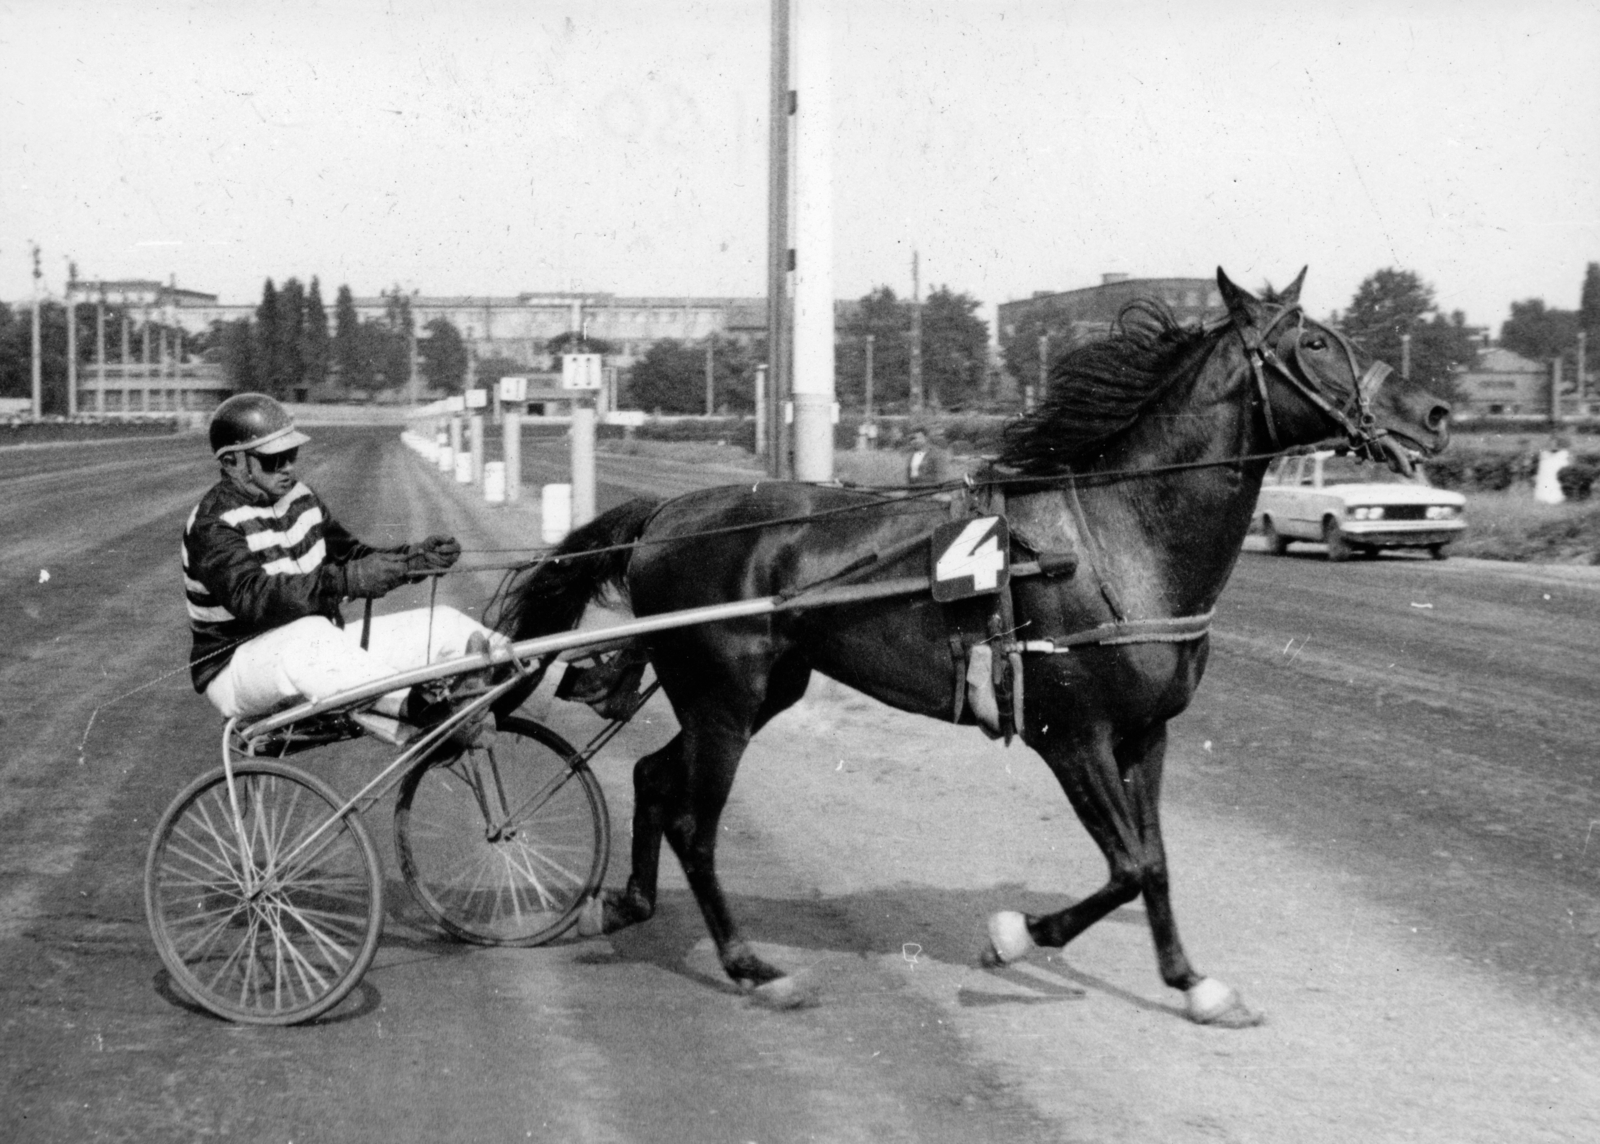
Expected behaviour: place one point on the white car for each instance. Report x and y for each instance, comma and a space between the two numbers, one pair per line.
1354, 506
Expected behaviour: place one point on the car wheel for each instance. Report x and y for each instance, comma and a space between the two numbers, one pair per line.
1338, 546
1276, 544
1437, 552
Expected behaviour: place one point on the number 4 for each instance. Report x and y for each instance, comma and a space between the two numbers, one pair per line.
975, 553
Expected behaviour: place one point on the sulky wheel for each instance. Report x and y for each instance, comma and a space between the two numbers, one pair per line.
504, 843
272, 917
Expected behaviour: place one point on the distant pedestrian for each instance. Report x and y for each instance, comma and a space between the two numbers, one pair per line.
927, 463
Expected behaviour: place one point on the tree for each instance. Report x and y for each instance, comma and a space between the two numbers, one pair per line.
1392, 304
1539, 333
314, 343
286, 365
390, 340
349, 351
267, 374
444, 356
955, 349
1589, 303
238, 353
888, 321
1019, 346
670, 377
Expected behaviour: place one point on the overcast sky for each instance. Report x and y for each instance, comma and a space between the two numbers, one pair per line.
501, 146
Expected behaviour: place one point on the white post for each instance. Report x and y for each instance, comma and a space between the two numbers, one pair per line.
813, 384
475, 433
511, 420
761, 410
583, 493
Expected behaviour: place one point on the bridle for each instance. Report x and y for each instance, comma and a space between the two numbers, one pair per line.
1277, 349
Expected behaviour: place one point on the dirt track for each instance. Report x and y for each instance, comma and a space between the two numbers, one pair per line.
1379, 815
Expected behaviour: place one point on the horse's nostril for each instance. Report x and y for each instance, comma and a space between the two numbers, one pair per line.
1438, 416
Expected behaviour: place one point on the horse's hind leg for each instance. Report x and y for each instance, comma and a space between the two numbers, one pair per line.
717, 731
655, 777
1115, 788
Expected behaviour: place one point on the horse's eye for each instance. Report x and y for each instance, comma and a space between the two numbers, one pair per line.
1316, 343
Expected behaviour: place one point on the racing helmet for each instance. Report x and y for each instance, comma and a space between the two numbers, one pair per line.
253, 422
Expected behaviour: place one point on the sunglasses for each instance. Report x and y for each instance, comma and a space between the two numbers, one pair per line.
272, 462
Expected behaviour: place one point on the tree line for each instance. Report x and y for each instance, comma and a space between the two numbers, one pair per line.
286, 348
289, 348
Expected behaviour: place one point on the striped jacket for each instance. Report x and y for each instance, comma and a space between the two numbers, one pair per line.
250, 567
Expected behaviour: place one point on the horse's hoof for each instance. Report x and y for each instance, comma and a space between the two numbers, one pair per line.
1009, 939
780, 993
1210, 1002
592, 918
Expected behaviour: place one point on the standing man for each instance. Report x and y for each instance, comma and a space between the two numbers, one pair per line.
266, 567
927, 463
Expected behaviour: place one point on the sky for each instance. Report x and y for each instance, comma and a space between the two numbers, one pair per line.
504, 146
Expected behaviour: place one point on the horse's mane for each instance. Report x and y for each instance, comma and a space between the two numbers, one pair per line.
1099, 389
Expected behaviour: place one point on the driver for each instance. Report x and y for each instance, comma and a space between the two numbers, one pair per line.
265, 568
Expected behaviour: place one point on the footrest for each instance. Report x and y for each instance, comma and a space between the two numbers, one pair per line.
383, 727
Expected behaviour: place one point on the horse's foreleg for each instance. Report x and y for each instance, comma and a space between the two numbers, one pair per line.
1207, 1000
1115, 787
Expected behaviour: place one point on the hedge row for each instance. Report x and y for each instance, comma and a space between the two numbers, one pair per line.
1471, 470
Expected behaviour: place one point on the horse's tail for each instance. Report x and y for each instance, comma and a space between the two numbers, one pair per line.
551, 594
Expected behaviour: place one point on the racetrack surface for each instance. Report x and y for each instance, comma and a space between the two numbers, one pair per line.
1379, 815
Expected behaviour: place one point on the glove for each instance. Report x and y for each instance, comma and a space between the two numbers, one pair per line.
375, 575
434, 554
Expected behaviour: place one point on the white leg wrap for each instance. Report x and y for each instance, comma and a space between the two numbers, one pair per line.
592, 918
1208, 999
1008, 934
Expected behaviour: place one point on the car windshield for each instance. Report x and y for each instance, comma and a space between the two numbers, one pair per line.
1347, 470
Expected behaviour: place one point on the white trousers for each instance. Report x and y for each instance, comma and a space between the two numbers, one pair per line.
312, 658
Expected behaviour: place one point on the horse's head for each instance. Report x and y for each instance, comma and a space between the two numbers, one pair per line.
1310, 386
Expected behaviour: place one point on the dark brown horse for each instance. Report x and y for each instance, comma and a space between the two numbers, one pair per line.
1144, 459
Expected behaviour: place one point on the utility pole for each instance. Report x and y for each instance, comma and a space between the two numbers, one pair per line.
1030, 394
916, 336
779, 109
38, 376
711, 378
1583, 372
871, 338
72, 339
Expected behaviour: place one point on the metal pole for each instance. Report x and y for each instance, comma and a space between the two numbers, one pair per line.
867, 414
1583, 372
100, 354
916, 335
780, 107
38, 374
711, 385
1405, 357
72, 345
1044, 373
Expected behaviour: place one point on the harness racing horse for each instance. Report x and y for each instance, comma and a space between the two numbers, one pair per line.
1144, 458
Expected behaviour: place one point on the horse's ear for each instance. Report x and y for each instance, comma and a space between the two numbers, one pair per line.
1243, 307
1290, 295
